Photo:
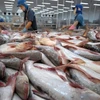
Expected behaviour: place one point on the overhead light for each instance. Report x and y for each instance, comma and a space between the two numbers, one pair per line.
60, 9
60, 4
9, 5
49, 8
96, 0
8, 9
54, 6
29, 2
70, 1
66, 7
70, 10
65, 11
9, 2
41, 5
96, 4
85, 7
60, 12
84, 3
54, 0
45, 3
37, 7
72, 6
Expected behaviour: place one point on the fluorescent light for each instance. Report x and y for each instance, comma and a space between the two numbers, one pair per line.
60, 9
70, 10
60, 12
54, 0
29, 2
84, 3
66, 7
49, 8
65, 11
60, 4
8, 5
45, 3
8, 9
70, 1
85, 7
37, 7
96, 4
72, 6
96, 0
54, 6
41, 5
9, 2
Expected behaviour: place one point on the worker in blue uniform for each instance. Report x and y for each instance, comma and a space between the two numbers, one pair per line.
29, 17
1, 20
79, 20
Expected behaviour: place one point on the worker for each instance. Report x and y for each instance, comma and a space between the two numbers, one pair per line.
29, 17
78, 21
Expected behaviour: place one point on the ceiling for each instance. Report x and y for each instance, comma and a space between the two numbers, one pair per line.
38, 3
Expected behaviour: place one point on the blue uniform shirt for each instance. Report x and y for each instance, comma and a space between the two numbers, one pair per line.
1, 20
80, 20
30, 16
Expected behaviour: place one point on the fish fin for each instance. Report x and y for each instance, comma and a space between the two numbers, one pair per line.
10, 79
22, 62
78, 61
12, 45
42, 95
2, 84
73, 83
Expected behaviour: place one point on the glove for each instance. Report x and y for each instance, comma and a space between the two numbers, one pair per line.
72, 27
24, 30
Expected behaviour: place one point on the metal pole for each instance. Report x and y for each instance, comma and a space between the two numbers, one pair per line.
94, 13
57, 15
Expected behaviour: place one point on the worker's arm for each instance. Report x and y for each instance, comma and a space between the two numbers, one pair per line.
28, 25
73, 26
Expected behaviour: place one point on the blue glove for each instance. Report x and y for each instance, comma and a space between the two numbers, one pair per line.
24, 30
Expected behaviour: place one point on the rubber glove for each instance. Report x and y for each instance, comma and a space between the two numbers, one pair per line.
24, 30
72, 27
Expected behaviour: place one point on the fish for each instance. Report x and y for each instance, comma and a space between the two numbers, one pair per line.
94, 35
74, 58
33, 96
15, 47
2, 39
16, 97
93, 46
57, 88
7, 91
32, 54
2, 70
80, 78
84, 52
22, 85
9, 72
14, 63
50, 53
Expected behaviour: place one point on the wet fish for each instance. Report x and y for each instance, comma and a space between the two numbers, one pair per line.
6, 91
15, 47
53, 85
93, 46
80, 78
32, 54
50, 53
16, 97
80, 60
22, 86
14, 63
84, 52
94, 35
2, 70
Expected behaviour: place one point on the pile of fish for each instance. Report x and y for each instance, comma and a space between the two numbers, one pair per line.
49, 66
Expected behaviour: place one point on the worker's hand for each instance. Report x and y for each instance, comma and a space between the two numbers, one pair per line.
24, 30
